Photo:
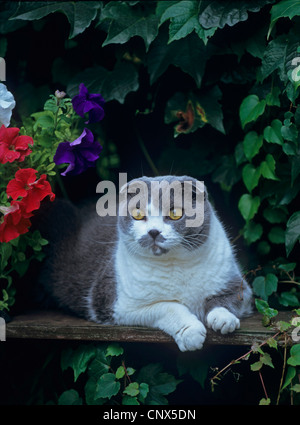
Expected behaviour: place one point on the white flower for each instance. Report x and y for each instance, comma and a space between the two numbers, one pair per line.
7, 104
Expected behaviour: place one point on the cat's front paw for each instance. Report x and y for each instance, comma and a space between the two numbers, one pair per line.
191, 338
220, 319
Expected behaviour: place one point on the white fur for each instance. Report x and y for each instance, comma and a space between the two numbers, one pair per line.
168, 291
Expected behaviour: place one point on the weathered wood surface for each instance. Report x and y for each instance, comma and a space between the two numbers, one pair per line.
59, 326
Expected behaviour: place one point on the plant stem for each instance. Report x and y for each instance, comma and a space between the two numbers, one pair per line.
283, 369
146, 154
263, 385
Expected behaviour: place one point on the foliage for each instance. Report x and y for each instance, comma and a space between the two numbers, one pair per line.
109, 381
206, 88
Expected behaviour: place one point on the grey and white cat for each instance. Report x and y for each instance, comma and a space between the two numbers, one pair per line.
147, 270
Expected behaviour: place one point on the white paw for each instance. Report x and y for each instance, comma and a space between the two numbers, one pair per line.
191, 338
220, 319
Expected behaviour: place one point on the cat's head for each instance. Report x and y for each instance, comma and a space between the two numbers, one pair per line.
160, 214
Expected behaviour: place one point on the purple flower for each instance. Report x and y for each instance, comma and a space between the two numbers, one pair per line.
89, 102
80, 154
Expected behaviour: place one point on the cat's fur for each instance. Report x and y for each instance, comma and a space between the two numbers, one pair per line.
111, 270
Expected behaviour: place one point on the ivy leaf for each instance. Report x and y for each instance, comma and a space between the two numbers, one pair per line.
284, 9
70, 398
266, 360
251, 108
78, 359
256, 366
251, 176
120, 372
228, 12
265, 402
130, 401
252, 144
294, 359
288, 299
132, 389
107, 386
252, 231
292, 234
184, 19
80, 14
126, 22
290, 375
160, 384
194, 111
276, 235
113, 85
272, 133
189, 54
267, 168
263, 308
274, 57
114, 350
264, 286
248, 206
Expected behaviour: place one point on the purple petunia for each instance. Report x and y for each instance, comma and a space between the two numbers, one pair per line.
89, 102
79, 154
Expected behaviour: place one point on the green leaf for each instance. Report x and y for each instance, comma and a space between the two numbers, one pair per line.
296, 388
160, 384
129, 401
292, 234
272, 98
266, 360
252, 144
248, 206
144, 390
264, 286
265, 402
5, 254
107, 386
251, 108
256, 366
267, 168
272, 133
132, 389
80, 14
219, 13
70, 398
194, 111
78, 359
120, 372
276, 235
114, 350
113, 85
189, 54
252, 231
284, 9
263, 308
288, 299
274, 215
251, 176
294, 359
126, 22
184, 19
274, 57
290, 375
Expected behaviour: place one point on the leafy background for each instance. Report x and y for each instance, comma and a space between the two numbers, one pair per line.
204, 88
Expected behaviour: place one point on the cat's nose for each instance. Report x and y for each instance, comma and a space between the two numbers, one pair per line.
153, 233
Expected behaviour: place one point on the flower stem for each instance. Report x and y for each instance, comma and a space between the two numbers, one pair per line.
146, 154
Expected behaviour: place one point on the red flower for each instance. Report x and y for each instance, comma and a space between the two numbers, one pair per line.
15, 221
31, 190
12, 146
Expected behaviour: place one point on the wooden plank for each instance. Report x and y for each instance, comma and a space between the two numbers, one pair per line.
60, 326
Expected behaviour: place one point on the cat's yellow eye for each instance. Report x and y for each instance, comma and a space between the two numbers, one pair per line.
137, 214
176, 213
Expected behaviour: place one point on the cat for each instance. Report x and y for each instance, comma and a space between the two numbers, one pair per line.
148, 270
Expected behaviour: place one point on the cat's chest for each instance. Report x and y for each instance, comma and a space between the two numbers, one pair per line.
182, 280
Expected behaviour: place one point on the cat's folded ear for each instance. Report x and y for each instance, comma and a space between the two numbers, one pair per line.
197, 186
